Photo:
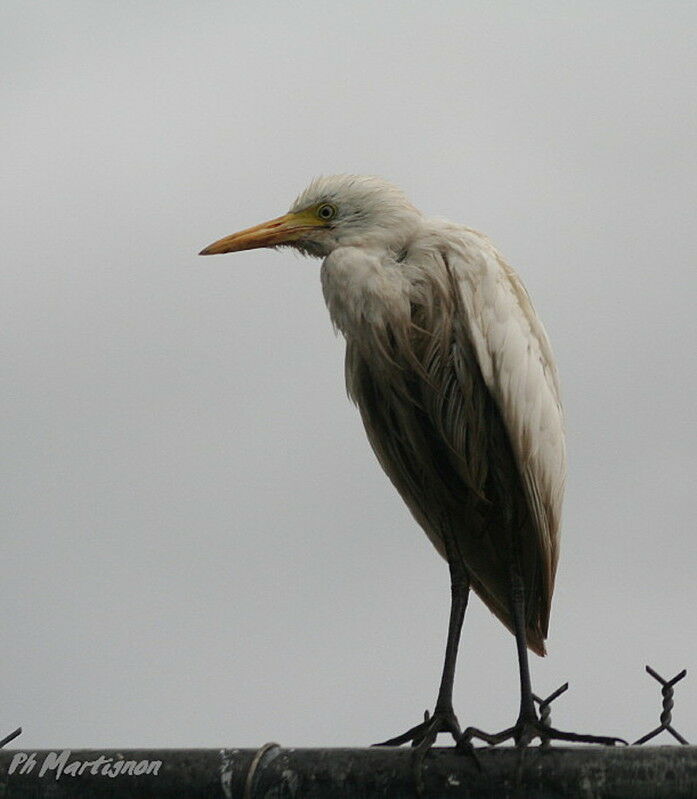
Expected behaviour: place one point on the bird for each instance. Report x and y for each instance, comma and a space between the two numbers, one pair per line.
457, 387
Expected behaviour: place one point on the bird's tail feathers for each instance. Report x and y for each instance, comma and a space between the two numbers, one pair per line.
534, 633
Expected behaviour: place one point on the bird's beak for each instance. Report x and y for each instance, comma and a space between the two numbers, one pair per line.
282, 230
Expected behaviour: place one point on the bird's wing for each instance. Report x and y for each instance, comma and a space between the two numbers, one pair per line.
518, 368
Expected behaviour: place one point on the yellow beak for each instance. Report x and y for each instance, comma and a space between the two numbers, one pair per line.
282, 230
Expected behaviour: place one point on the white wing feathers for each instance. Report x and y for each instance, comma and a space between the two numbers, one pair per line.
518, 368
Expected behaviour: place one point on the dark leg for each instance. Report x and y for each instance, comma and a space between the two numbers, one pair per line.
444, 719
527, 713
528, 726
459, 594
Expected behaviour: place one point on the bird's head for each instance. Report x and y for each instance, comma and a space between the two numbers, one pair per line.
335, 211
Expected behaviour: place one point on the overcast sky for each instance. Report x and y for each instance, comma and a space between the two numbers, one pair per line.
199, 548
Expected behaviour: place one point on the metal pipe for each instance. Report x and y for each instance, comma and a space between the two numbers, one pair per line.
273, 771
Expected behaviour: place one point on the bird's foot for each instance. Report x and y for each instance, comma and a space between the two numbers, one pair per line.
526, 729
424, 735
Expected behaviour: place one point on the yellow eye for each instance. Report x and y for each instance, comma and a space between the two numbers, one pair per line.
326, 211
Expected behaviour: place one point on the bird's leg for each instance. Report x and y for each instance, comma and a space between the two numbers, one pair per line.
444, 718
528, 726
527, 714
423, 735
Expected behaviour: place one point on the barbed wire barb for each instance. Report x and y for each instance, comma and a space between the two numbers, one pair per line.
10, 737
546, 710
667, 713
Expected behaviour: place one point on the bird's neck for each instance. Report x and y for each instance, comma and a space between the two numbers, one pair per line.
364, 290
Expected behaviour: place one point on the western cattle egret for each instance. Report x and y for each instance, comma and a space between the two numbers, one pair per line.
458, 390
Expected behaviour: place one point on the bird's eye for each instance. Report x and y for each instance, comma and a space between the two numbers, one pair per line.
326, 212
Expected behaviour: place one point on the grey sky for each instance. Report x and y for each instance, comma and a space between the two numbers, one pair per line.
199, 547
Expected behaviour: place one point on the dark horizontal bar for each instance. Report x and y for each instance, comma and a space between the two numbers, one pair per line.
571, 772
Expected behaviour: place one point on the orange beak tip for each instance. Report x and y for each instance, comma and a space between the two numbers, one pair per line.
275, 232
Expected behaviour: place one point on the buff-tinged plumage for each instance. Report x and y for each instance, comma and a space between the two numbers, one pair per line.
455, 380
453, 375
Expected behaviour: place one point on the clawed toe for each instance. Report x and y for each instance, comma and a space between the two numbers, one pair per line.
423, 735
526, 730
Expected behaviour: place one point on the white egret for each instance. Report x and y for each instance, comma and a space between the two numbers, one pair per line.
458, 390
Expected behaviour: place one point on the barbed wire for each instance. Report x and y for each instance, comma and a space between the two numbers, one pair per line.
10, 737
546, 710
666, 714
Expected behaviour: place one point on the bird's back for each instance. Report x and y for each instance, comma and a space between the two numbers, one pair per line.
456, 389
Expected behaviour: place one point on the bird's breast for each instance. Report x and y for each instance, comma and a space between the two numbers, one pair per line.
365, 291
